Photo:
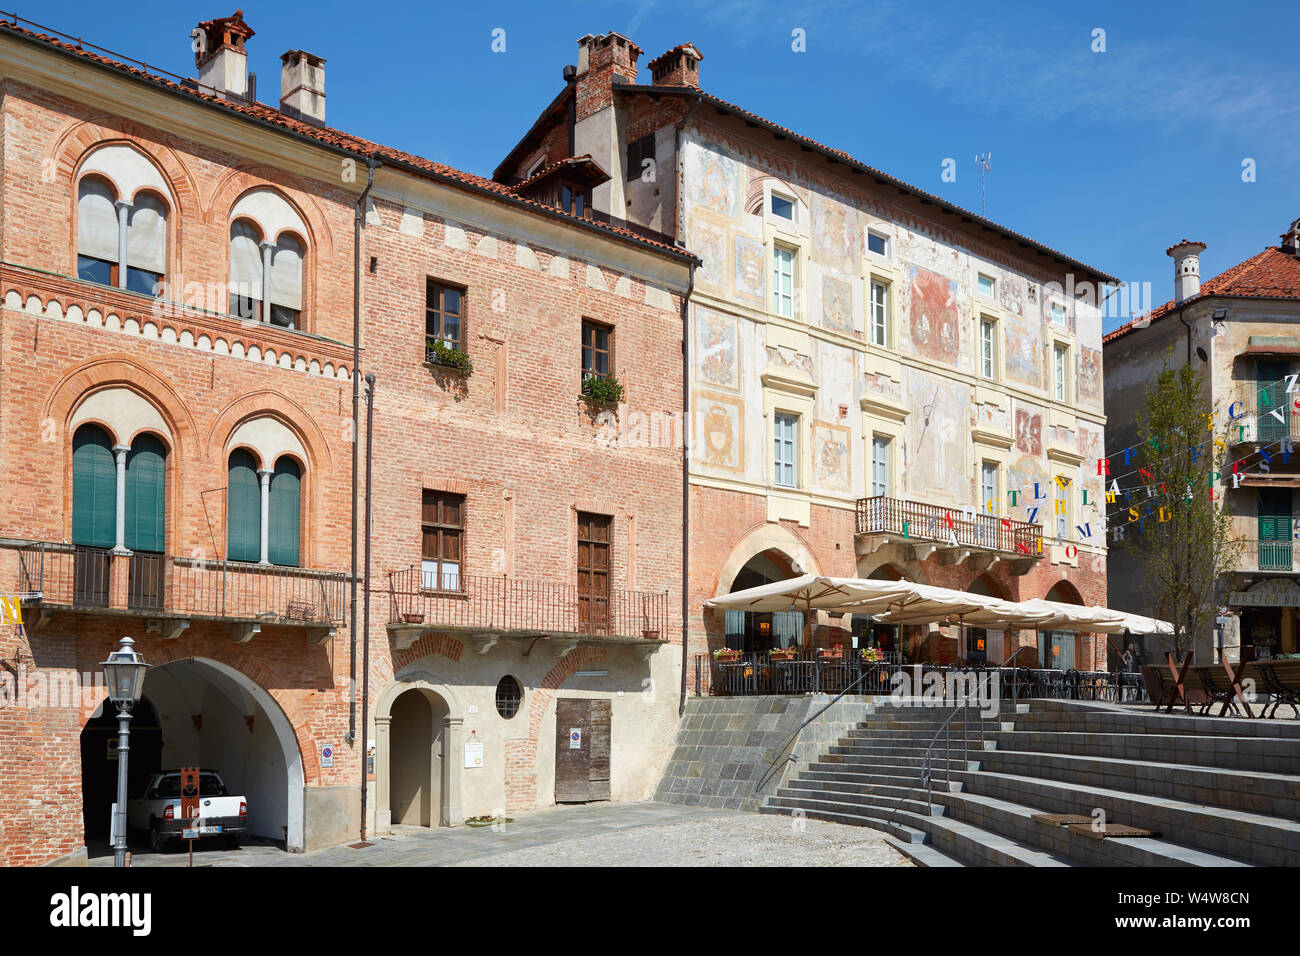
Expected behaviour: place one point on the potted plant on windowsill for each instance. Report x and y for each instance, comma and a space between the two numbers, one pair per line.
726, 654
438, 352
602, 389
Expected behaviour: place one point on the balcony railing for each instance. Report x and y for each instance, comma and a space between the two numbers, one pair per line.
936, 523
1256, 426
503, 604
60, 575
1274, 555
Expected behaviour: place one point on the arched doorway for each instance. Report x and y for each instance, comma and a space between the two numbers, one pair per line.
416, 755
986, 645
1059, 649
755, 632
197, 712
99, 762
417, 748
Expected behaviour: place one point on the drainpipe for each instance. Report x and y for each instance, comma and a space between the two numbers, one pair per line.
1187, 325
365, 625
351, 735
686, 484
686, 410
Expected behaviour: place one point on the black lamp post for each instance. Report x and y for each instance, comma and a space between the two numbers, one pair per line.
124, 675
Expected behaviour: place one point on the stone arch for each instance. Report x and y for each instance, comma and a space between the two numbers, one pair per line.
236, 683
450, 711
766, 537
1065, 592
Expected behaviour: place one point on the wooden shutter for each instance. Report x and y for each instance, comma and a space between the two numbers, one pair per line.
1272, 395
145, 483
94, 489
243, 509
1274, 528
285, 511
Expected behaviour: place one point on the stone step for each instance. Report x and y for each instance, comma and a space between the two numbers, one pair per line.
1260, 839
1106, 718
922, 854
1271, 794
1267, 755
867, 817
892, 759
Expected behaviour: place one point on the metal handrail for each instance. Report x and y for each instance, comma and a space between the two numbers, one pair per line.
926, 758
781, 755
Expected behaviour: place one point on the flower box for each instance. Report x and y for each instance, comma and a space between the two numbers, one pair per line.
412, 618
781, 655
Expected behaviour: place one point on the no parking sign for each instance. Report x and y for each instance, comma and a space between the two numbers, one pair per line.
327, 756
575, 738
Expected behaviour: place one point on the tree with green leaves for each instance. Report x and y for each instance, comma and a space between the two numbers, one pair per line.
1175, 523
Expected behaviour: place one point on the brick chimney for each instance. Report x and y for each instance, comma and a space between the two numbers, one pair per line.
680, 66
601, 60
1187, 269
219, 54
1291, 239
302, 86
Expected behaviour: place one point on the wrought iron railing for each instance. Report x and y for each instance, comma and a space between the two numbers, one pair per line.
502, 603
1276, 555
61, 575
1270, 423
926, 522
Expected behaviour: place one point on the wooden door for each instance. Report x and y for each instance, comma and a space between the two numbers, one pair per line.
593, 573
582, 750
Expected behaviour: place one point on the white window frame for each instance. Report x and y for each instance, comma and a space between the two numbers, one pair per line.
794, 207
789, 442
1060, 371
1065, 314
880, 442
777, 298
992, 294
988, 360
1062, 520
989, 493
883, 340
883, 237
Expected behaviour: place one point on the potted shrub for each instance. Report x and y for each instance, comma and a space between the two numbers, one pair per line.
602, 389
438, 352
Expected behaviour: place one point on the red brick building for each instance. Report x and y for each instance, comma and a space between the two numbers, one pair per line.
176, 379
881, 383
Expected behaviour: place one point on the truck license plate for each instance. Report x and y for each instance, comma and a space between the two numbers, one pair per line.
209, 831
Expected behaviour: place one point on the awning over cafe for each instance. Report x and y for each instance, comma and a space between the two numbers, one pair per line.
904, 602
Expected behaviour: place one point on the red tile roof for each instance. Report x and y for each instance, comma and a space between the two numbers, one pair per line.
1271, 274
695, 52
584, 165
325, 135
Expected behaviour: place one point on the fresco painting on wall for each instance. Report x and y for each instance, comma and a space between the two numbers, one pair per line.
709, 242
1090, 376
836, 236
720, 442
714, 179
1029, 430
715, 348
750, 274
831, 459
934, 315
1021, 362
937, 434
837, 305
790, 359
1011, 293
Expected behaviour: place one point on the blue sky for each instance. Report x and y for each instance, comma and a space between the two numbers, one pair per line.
1108, 156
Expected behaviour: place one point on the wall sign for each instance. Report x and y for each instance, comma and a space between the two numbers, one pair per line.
473, 754
1275, 592
327, 756
575, 738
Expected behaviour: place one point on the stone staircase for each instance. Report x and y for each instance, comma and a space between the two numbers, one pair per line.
1212, 792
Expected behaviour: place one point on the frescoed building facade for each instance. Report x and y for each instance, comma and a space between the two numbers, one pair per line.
881, 384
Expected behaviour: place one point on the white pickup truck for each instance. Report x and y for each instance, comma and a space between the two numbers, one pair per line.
158, 812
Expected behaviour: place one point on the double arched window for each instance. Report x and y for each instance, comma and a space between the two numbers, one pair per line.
122, 214
267, 253
99, 468
264, 510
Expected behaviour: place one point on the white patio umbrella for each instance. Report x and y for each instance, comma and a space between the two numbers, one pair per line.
812, 592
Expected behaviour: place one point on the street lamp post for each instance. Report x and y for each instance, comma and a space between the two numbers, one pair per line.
124, 677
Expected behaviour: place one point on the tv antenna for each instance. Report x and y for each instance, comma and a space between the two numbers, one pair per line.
983, 161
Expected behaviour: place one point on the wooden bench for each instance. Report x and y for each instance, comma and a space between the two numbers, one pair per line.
1280, 680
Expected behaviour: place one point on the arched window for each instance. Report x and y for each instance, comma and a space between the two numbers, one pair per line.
121, 242
243, 509
146, 471
267, 255
94, 488
285, 513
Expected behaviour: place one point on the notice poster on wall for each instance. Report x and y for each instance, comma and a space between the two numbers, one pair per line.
473, 754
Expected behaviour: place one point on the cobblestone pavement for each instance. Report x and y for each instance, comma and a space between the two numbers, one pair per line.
606, 834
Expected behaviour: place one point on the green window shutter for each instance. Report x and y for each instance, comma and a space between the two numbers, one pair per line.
286, 485
243, 510
94, 489
146, 475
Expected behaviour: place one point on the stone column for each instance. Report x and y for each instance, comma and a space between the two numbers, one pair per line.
267, 249
453, 761
119, 456
265, 475
383, 812
123, 214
